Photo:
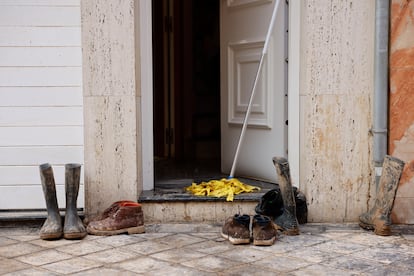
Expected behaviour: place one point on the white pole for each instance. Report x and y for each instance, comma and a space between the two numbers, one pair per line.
246, 117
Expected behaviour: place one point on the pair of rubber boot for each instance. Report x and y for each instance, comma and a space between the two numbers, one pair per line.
73, 227
378, 218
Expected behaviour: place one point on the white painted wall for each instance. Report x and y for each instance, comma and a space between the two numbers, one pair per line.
41, 113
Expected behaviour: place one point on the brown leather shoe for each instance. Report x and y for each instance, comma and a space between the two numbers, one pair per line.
128, 218
108, 211
263, 231
236, 229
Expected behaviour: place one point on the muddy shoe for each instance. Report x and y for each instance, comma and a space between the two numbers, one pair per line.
263, 231
129, 218
236, 229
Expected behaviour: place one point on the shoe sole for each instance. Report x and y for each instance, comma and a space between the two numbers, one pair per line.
264, 242
129, 230
235, 240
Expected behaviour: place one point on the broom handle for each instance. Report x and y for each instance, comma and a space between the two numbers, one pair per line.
246, 117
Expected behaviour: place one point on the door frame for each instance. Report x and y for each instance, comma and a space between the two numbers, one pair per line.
144, 40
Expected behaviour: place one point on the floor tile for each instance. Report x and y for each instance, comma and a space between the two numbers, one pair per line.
53, 243
83, 248
282, 263
350, 264
339, 246
10, 265
34, 271
120, 240
211, 263
144, 265
6, 241
179, 255
104, 271
18, 249
321, 270
147, 247
245, 253
179, 240
248, 270
71, 265
44, 257
211, 247
111, 256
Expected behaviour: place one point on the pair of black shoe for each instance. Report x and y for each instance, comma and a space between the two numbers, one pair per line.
240, 229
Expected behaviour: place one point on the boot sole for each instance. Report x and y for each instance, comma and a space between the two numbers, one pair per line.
371, 227
235, 240
74, 236
289, 232
51, 236
129, 230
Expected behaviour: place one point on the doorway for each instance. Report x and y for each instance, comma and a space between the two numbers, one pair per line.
186, 97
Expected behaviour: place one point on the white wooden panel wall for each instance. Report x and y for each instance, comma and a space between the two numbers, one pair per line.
41, 115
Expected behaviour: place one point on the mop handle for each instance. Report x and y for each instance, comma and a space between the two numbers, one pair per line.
246, 117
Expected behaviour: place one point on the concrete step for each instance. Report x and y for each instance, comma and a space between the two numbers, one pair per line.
170, 203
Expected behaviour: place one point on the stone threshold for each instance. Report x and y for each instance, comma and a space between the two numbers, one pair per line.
175, 192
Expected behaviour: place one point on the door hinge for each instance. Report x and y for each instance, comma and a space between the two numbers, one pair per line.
169, 136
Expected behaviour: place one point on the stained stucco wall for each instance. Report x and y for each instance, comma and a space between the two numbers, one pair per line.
401, 137
337, 62
111, 102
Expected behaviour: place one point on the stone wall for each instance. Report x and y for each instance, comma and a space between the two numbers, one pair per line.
337, 39
401, 137
111, 88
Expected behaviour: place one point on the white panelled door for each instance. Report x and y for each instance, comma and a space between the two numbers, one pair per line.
244, 25
41, 109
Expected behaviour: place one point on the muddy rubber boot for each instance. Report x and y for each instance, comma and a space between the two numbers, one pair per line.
287, 222
379, 217
52, 227
73, 227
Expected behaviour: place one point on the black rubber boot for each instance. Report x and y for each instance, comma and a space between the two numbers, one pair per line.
379, 217
52, 227
287, 222
73, 228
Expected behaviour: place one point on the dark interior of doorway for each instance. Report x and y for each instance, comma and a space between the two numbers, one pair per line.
186, 70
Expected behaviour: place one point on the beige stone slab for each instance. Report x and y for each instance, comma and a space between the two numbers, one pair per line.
83, 248
71, 265
212, 263
111, 256
111, 151
108, 42
18, 249
32, 272
179, 255
10, 265
147, 247
337, 168
44, 257
120, 240
218, 212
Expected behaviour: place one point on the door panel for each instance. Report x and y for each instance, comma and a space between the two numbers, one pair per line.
244, 26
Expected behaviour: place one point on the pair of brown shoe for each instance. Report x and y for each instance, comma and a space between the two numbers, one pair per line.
237, 230
121, 217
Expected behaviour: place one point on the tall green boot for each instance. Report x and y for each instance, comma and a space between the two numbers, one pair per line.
287, 221
379, 217
73, 228
52, 227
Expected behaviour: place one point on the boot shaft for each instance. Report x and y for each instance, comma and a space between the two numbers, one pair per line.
72, 181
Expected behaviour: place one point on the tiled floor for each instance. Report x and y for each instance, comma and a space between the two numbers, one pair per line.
198, 249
